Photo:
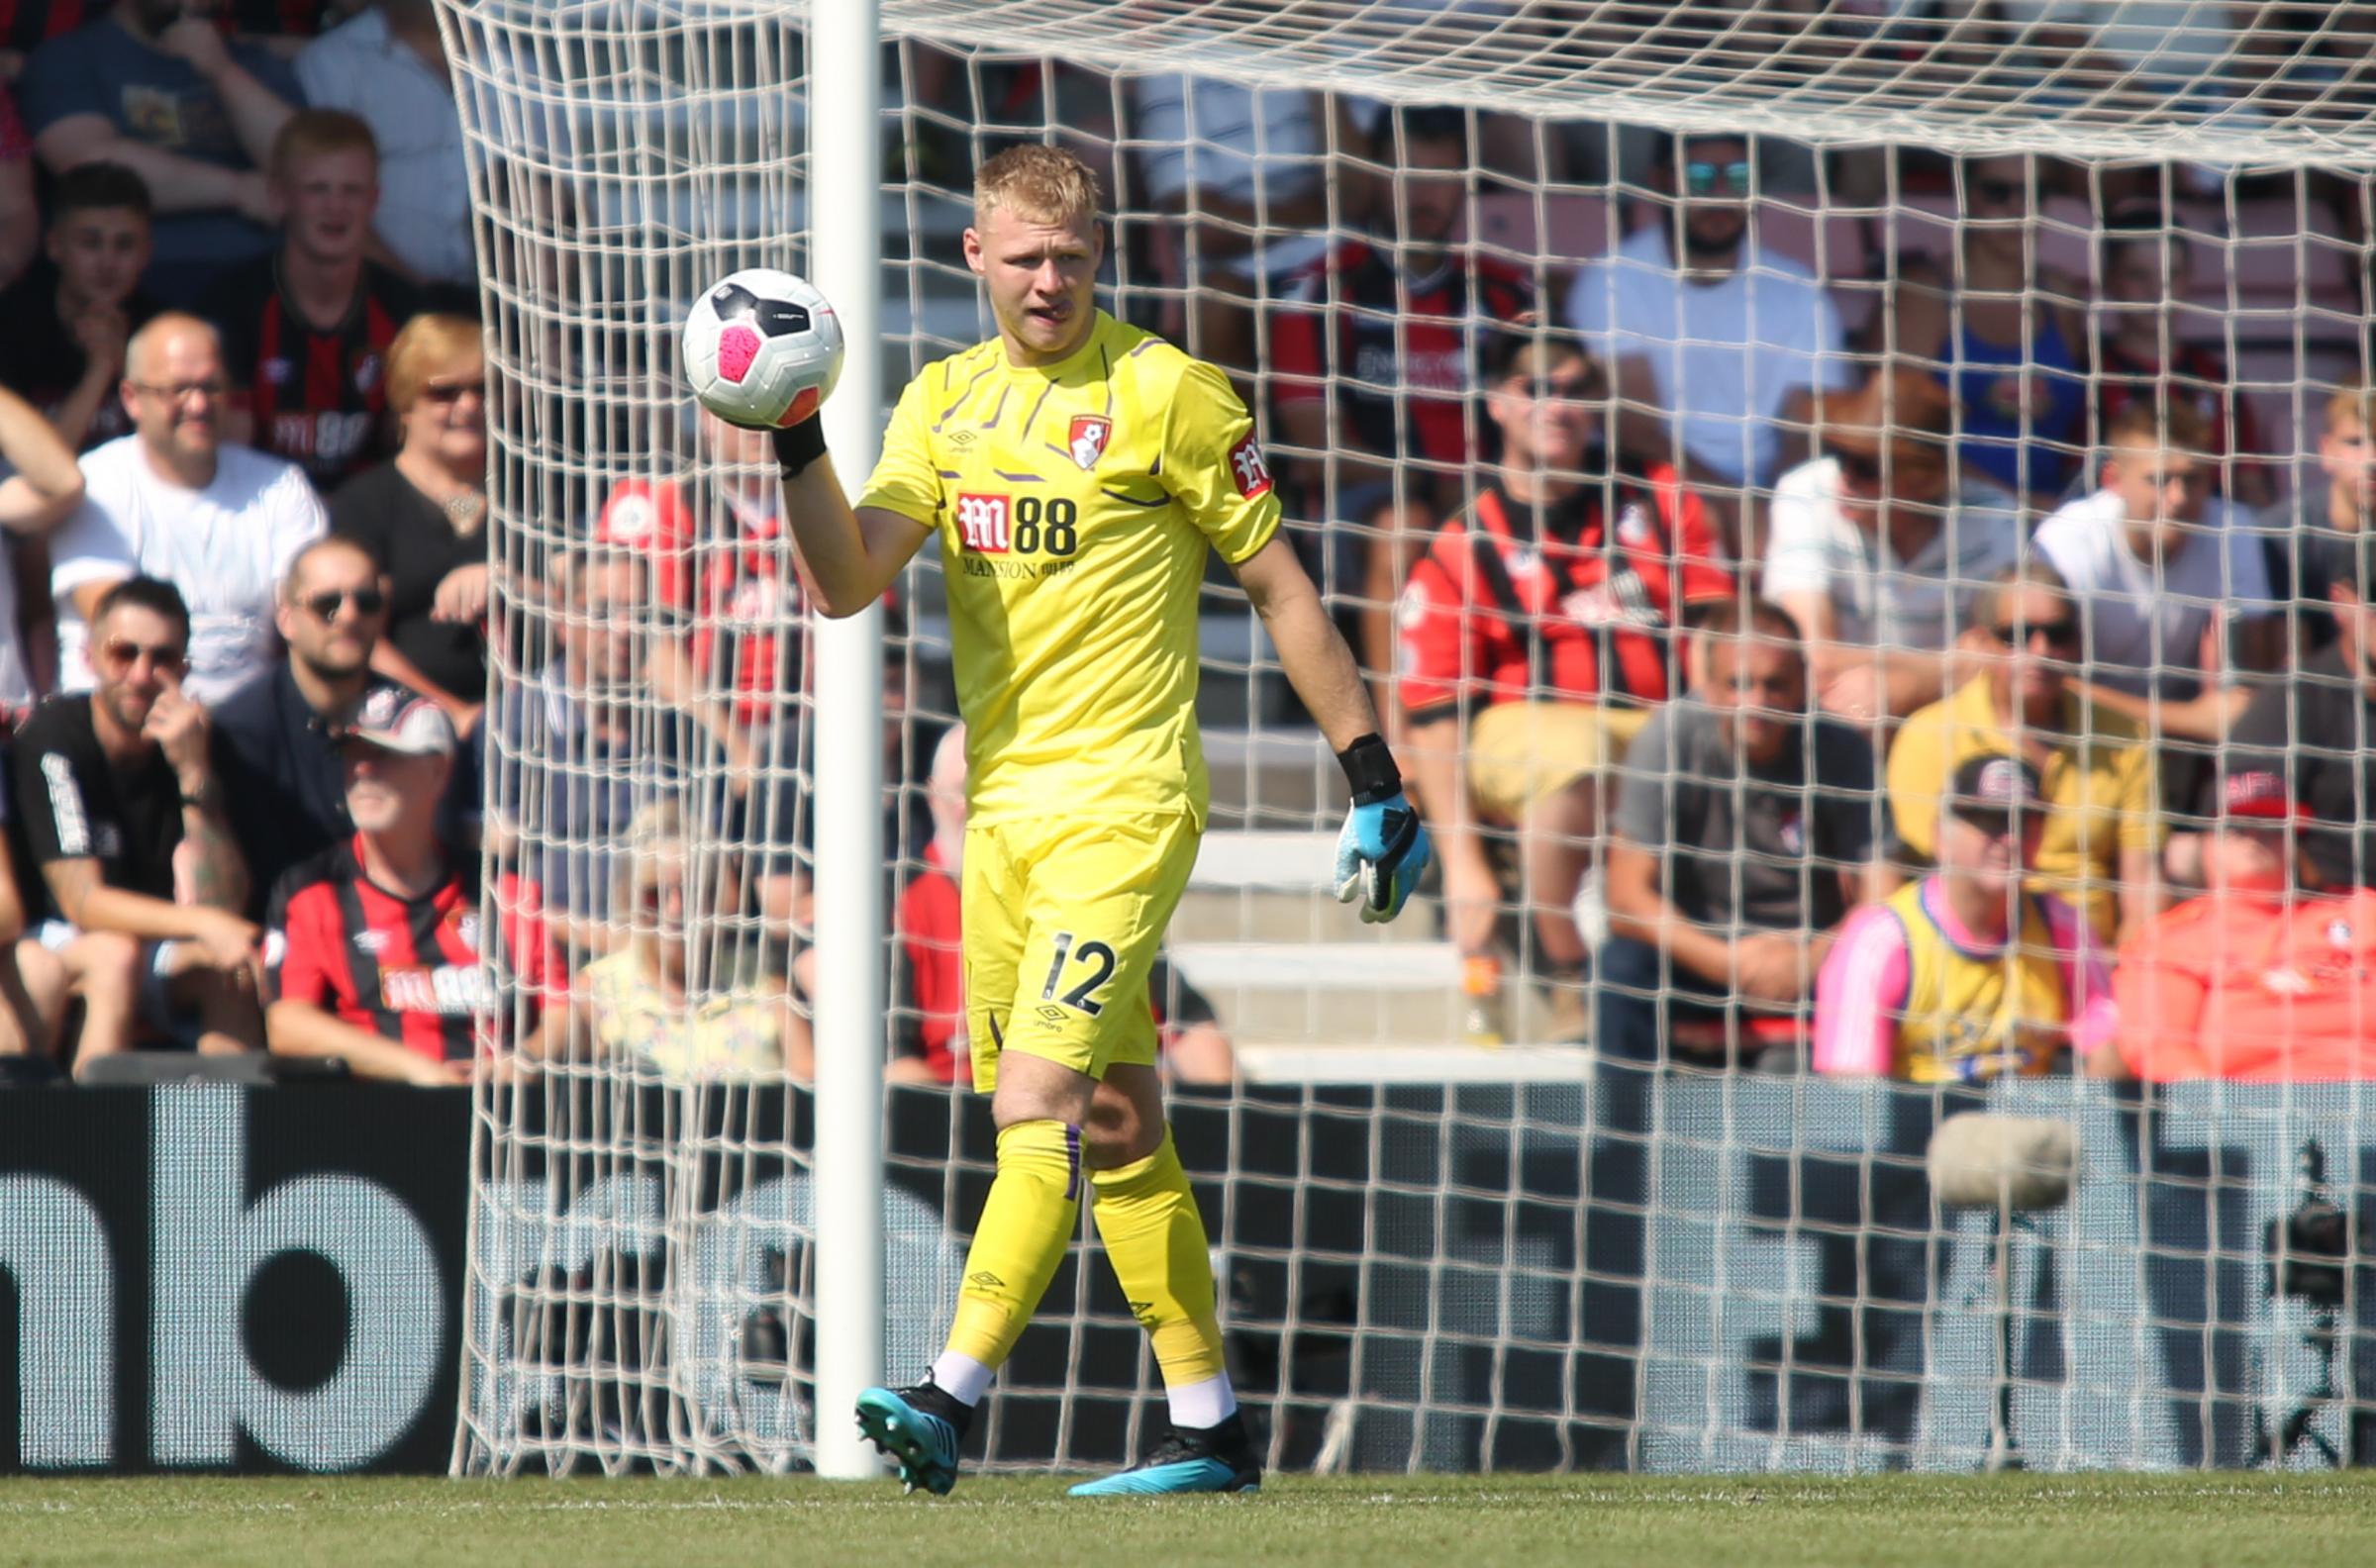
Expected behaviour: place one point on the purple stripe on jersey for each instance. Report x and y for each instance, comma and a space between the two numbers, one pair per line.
996, 413
1033, 417
1133, 500
949, 473
961, 397
1072, 1162
1026, 478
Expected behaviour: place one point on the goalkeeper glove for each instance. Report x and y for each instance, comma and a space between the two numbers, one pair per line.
798, 445
1383, 850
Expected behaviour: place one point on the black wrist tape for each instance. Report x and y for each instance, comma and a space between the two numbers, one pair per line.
798, 445
1369, 768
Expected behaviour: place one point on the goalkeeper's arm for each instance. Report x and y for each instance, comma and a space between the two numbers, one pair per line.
1318, 665
849, 555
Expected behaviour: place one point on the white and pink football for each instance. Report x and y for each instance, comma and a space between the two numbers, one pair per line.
762, 348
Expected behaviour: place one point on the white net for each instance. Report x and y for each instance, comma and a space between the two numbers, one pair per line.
1473, 1203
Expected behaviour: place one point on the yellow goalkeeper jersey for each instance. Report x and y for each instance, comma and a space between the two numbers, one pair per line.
1074, 504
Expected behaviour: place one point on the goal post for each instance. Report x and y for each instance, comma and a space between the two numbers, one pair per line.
1432, 1254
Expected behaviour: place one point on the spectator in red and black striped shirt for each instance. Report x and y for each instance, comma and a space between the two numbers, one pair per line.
1537, 637
374, 945
306, 331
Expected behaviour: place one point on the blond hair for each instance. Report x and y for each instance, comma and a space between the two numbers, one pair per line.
310, 133
1040, 183
2175, 425
2352, 404
429, 344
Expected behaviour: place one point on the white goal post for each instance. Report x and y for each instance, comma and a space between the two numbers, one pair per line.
1434, 1254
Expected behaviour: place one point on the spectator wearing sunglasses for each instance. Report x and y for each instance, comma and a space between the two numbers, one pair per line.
1879, 547
175, 500
1716, 347
275, 739
306, 329
1966, 975
122, 812
424, 515
2100, 835
2005, 334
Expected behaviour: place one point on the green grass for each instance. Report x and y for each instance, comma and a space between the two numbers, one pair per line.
2093, 1521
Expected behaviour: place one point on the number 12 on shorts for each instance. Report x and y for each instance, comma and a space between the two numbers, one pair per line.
1094, 956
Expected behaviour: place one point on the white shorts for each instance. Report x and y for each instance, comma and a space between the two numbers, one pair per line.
156, 1011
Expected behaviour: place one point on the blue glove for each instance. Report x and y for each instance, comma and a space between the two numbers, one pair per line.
1380, 856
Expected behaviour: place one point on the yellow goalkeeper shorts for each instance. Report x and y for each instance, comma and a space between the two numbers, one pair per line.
1062, 919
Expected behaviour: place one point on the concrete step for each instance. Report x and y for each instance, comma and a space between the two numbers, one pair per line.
1266, 886
1273, 778
1266, 1062
1351, 993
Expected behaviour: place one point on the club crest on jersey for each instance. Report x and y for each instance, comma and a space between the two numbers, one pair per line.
1090, 433
1246, 467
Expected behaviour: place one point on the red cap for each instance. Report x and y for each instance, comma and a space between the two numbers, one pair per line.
2260, 793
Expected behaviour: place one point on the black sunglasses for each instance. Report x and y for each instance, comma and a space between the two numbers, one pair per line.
2058, 634
367, 601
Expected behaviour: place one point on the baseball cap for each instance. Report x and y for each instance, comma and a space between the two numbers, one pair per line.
1987, 790
1906, 409
2259, 793
394, 719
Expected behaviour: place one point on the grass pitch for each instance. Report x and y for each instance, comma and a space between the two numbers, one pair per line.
2019, 1521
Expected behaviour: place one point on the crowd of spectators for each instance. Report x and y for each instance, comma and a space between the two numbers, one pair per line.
1903, 673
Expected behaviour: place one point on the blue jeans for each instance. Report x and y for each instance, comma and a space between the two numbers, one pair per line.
1637, 995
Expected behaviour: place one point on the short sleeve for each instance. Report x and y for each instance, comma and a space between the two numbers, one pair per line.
2140, 826
1843, 779
57, 827
58, 82
294, 966
297, 519
1798, 557
1641, 816
1916, 773
1214, 466
92, 547
1432, 626
2249, 587
1859, 995
906, 480
1589, 307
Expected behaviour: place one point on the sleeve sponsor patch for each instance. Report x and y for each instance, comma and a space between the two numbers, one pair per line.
1247, 468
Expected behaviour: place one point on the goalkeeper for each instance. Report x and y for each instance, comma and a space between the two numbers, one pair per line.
1076, 470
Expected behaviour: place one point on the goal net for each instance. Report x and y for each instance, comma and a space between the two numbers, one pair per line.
1465, 1212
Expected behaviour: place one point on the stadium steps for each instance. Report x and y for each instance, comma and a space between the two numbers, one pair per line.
1311, 993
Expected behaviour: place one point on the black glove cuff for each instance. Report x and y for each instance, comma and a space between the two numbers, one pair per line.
1369, 768
798, 445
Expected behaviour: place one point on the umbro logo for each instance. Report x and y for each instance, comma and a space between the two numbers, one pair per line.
960, 438
983, 1279
1052, 1015
374, 942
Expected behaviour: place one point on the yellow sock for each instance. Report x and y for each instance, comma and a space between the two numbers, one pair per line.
1028, 1218
1147, 1216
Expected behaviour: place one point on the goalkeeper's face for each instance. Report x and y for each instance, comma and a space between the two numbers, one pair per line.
1042, 277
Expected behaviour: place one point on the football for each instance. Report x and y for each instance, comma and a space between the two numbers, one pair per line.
762, 348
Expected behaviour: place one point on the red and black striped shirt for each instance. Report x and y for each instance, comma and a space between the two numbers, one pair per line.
406, 969
319, 398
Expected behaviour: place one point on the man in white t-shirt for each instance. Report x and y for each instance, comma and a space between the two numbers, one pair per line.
172, 500
2157, 568
1878, 548
1717, 351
